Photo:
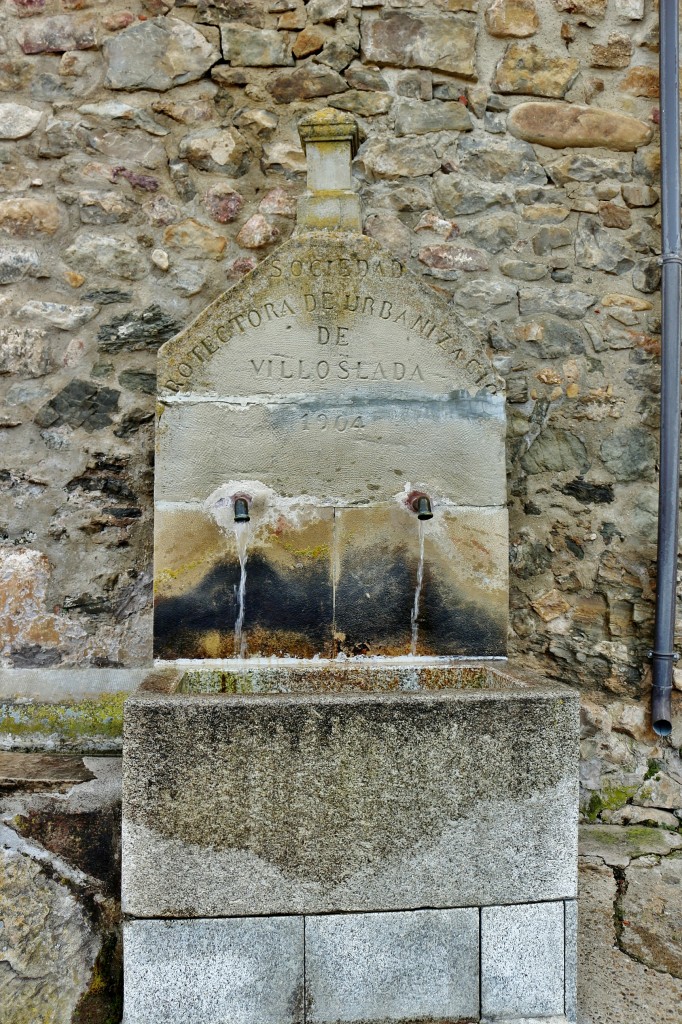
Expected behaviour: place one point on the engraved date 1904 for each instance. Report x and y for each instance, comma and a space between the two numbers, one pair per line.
322, 421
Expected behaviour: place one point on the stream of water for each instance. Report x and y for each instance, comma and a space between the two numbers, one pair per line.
241, 532
414, 617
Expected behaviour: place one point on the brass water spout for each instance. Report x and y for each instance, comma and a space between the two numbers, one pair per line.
422, 507
241, 510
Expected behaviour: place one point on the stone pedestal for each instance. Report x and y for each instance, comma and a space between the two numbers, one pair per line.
392, 856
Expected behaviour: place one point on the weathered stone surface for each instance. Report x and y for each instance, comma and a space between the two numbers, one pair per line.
306, 82
614, 216
612, 986
255, 47
49, 947
103, 207
135, 331
446, 42
522, 960
55, 35
25, 620
24, 351
311, 40
651, 911
243, 969
494, 234
16, 122
360, 77
588, 8
556, 451
327, 10
80, 404
195, 239
21, 217
639, 195
285, 157
497, 160
157, 54
517, 18
257, 233
522, 271
106, 254
585, 167
278, 202
446, 259
615, 53
217, 150
629, 454
16, 264
571, 960
415, 118
566, 302
189, 856
549, 238
560, 125
392, 158
391, 232
56, 314
661, 790
618, 846
458, 195
642, 81
223, 203
398, 966
528, 70
365, 104
188, 105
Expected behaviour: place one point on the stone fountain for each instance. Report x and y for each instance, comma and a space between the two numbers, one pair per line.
339, 803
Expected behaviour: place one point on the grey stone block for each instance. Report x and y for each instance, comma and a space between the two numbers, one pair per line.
571, 960
522, 961
243, 805
241, 970
421, 965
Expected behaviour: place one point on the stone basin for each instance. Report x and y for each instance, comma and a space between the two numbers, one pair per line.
299, 788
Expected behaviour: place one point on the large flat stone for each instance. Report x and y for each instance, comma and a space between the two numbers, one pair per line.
245, 970
522, 960
392, 967
559, 125
310, 804
412, 39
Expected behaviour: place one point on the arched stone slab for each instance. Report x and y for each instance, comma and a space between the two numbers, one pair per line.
329, 387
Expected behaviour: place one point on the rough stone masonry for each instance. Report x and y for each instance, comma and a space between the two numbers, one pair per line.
148, 159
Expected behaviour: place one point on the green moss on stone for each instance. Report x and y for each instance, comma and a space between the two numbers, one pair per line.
70, 721
611, 798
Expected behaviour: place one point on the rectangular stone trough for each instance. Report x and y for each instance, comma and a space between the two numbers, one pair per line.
405, 830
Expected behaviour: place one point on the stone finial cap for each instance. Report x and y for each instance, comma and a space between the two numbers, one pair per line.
329, 125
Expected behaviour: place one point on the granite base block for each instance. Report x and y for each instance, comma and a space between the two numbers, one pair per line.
392, 967
522, 960
241, 970
571, 960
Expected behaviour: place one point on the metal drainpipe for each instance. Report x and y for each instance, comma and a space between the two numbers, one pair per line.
663, 655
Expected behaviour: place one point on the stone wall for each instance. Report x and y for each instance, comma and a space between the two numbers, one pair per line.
149, 158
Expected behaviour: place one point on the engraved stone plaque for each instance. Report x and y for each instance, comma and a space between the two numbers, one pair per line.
329, 388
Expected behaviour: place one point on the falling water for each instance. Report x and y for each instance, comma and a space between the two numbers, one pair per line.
414, 618
241, 531
335, 568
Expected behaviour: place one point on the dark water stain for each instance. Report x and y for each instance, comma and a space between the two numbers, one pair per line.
295, 605
290, 611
